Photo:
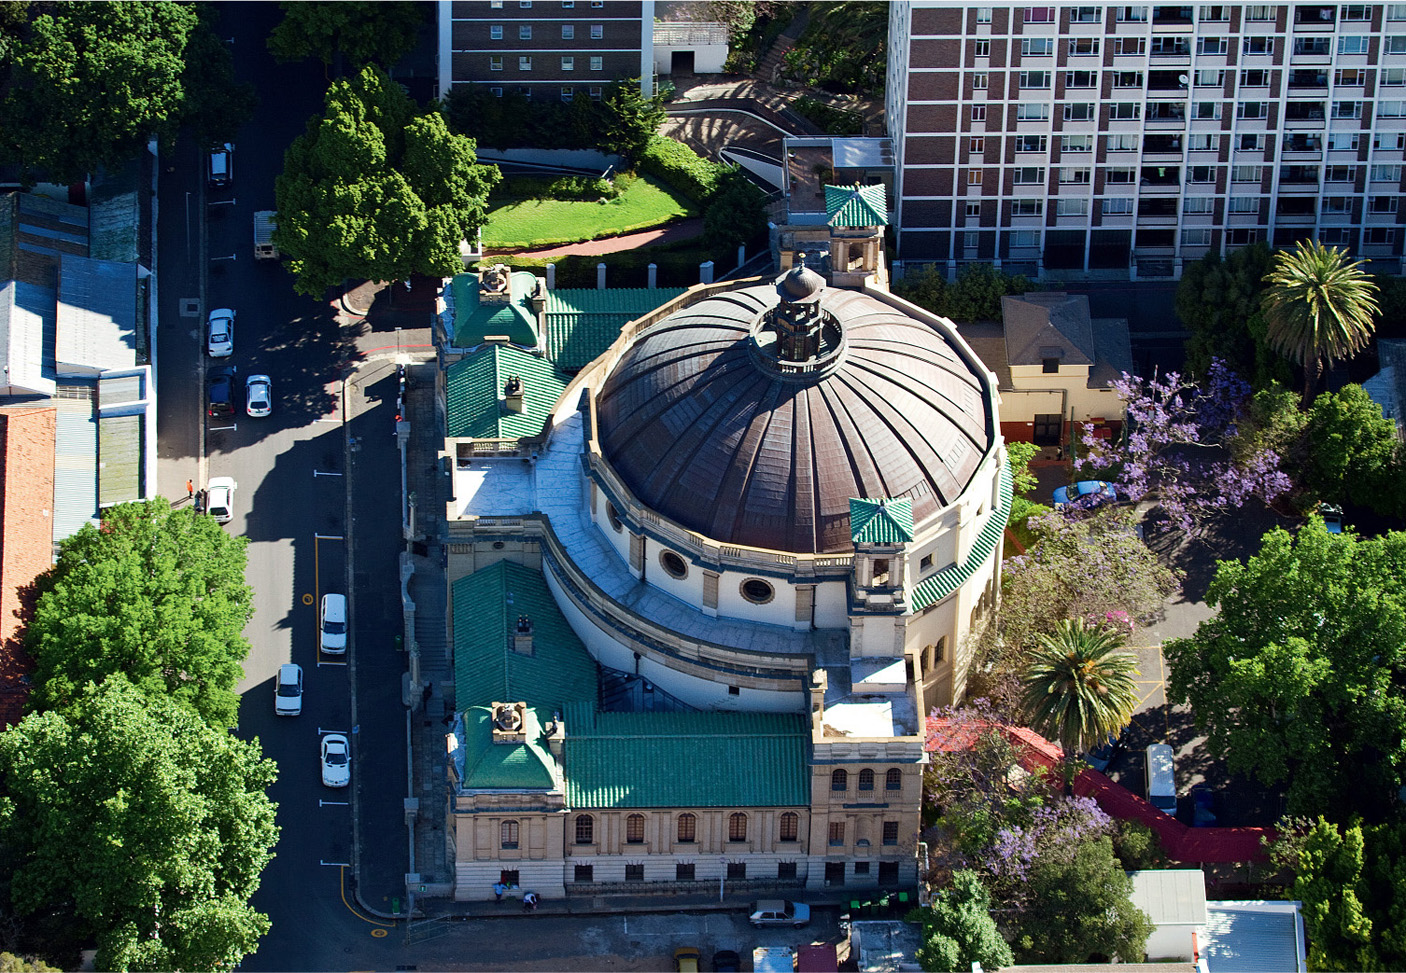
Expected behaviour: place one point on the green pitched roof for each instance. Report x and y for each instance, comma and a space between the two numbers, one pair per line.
581, 323
487, 604
685, 759
520, 765
936, 587
474, 388
885, 521
856, 205
475, 320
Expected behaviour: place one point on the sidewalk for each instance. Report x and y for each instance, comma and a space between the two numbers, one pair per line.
672, 233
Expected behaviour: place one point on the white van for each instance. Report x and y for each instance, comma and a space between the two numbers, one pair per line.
1161, 780
333, 624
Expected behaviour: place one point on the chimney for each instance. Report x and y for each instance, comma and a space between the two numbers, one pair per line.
513, 391
556, 734
522, 636
509, 722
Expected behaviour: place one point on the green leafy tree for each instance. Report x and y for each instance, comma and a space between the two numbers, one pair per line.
1297, 677
10, 963
844, 45
143, 823
974, 296
1319, 308
376, 190
958, 930
1078, 909
1351, 452
153, 593
1351, 880
215, 104
91, 82
1079, 685
1218, 299
628, 119
735, 213
359, 31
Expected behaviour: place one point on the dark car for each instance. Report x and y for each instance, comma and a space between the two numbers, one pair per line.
1102, 755
726, 961
220, 401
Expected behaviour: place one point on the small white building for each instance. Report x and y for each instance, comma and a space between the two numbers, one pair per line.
1175, 900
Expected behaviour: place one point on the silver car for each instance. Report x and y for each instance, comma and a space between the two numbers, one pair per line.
258, 395
220, 333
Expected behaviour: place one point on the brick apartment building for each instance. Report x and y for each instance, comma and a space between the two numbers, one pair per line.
1132, 139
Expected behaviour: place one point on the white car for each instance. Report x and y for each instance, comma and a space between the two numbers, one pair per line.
219, 498
332, 624
258, 395
288, 690
336, 761
779, 912
220, 332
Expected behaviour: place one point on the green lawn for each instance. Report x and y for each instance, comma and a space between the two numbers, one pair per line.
528, 223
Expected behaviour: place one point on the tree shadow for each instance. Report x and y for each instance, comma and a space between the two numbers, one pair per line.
1232, 536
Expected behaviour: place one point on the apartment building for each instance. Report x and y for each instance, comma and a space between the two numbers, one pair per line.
548, 49
1133, 139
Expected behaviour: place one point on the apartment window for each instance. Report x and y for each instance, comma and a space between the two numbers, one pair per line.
1074, 175
1071, 207
893, 780
495, 32
1388, 141
567, 4
1210, 78
595, 92
1347, 109
524, 4
1244, 204
1130, 45
1337, 205
1219, 13
1027, 207
1127, 79
1203, 142
1029, 111
1240, 236
1353, 44
1340, 174
1171, 46
597, 31
634, 873
1247, 173
1355, 11
584, 873
737, 827
1198, 204
1251, 142
1039, 15
1076, 143
1085, 15
585, 829
973, 177
983, 15
1395, 45
1031, 143
1025, 238
1130, 14
1252, 109
979, 81
1311, 47
1260, 11
1116, 206
973, 209
1196, 236
837, 834
1391, 109
1206, 110
1261, 46
890, 832
496, 92
1379, 235
495, 4
1382, 204
1396, 11
1212, 45
976, 144
1082, 45
1080, 79
982, 48
495, 63
507, 835
971, 239
1201, 174
688, 828
839, 781
1028, 175
597, 63
524, 63
1349, 77
1120, 175
1386, 173
568, 32
866, 779
978, 113
785, 871
1036, 46
1124, 111
568, 64
1393, 77
1080, 111
683, 872
1254, 78
1120, 143
790, 826
524, 32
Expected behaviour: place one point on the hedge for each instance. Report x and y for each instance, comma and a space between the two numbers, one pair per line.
680, 167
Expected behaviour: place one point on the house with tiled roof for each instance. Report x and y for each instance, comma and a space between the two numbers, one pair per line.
26, 537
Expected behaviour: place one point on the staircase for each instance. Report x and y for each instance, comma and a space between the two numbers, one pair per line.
769, 68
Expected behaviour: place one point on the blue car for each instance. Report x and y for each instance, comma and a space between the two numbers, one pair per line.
1087, 493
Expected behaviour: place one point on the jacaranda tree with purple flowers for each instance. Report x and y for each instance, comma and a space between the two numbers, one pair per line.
1178, 449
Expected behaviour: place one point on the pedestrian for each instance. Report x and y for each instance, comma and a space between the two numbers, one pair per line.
190, 489
529, 902
498, 889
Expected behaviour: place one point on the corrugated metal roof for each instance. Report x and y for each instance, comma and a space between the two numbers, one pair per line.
856, 205
27, 316
114, 216
97, 313
881, 521
119, 459
581, 323
503, 765
938, 586
1253, 937
686, 759
487, 605
474, 393
122, 390
475, 320
75, 467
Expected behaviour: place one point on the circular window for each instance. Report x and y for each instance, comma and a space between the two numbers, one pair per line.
757, 591
673, 564
613, 515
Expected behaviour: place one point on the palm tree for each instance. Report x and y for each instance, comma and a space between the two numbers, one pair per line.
1318, 308
1079, 686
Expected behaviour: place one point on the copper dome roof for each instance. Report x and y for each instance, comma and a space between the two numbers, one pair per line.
708, 428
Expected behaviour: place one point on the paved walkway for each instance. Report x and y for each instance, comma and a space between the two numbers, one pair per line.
672, 233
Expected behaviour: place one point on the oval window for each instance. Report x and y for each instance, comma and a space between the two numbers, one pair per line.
673, 565
613, 515
757, 591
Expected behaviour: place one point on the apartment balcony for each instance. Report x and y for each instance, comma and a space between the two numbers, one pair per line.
1308, 81
1162, 143
1173, 81
1314, 17
1296, 210
1173, 15
1302, 147
1165, 114
1157, 212
1305, 114
1160, 179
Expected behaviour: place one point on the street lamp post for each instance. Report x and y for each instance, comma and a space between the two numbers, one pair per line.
722, 878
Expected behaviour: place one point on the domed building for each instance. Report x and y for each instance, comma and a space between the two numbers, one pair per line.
777, 501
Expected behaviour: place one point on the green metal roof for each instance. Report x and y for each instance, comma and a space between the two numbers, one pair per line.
685, 759
504, 765
581, 323
884, 521
487, 604
474, 393
938, 586
856, 205
475, 320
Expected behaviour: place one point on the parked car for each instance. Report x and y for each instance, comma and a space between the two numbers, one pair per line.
1332, 516
258, 395
1102, 755
332, 624
219, 403
686, 959
779, 912
219, 499
726, 961
221, 171
336, 760
220, 331
288, 690
1085, 493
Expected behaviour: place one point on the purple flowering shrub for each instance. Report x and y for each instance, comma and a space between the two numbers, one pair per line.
1054, 829
1178, 446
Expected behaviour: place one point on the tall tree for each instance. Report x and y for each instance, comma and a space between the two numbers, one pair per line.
91, 82
1218, 300
958, 931
215, 105
1319, 306
1080, 685
1079, 909
628, 119
360, 32
376, 189
1351, 452
147, 825
1297, 678
155, 594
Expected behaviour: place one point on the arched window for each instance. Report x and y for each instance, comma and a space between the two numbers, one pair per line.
839, 781
634, 829
893, 780
737, 827
507, 834
688, 827
790, 826
585, 829
866, 779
